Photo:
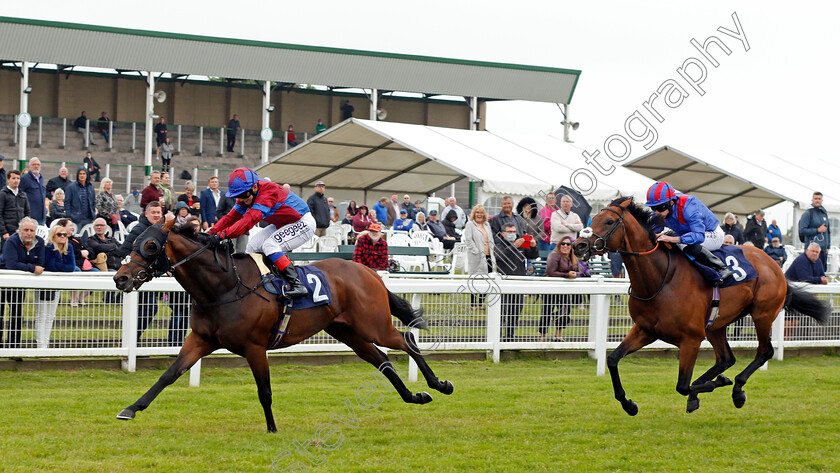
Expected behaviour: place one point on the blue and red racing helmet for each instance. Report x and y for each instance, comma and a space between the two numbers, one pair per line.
659, 193
240, 181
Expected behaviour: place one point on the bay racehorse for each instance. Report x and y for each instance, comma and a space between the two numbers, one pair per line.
670, 301
231, 309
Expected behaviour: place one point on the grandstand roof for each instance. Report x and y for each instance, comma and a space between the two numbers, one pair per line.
129, 49
727, 182
368, 155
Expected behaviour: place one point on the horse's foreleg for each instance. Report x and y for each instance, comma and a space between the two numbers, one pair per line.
258, 361
724, 360
194, 348
634, 340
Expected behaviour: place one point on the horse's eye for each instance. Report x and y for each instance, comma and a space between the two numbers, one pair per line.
610, 222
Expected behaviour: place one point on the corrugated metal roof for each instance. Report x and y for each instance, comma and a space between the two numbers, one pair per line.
120, 48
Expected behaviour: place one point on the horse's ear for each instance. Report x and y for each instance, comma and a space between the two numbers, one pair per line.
627, 203
168, 225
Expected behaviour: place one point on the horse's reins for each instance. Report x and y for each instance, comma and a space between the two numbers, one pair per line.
609, 234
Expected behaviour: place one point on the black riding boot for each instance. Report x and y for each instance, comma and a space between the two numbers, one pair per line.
297, 288
707, 258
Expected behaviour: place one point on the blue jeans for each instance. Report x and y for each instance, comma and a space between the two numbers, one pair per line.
546, 246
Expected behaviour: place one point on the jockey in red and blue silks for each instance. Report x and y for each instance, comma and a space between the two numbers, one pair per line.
290, 222
697, 230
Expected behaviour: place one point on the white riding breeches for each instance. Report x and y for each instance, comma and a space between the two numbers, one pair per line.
713, 241
288, 237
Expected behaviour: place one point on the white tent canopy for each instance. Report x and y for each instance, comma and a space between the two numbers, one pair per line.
727, 182
397, 157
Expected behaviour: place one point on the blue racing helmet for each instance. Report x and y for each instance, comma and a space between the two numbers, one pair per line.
240, 181
659, 193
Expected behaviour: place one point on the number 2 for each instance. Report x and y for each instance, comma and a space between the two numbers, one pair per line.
732, 262
316, 294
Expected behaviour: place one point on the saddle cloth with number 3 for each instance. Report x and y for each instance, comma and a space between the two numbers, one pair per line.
733, 257
311, 277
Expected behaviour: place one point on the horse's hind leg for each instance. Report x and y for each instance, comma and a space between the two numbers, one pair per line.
409, 345
634, 340
368, 352
194, 348
763, 354
258, 361
724, 360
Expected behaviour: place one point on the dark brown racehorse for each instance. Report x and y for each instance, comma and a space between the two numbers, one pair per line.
670, 301
232, 310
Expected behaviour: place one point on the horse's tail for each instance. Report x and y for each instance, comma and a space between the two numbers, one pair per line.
806, 303
401, 309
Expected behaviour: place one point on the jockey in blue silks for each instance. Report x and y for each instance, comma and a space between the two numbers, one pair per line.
696, 229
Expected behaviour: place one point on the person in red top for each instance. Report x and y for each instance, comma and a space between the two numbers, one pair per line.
371, 249
152, 191
290, 222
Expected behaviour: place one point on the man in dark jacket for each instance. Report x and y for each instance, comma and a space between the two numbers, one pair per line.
807, 267
32, 183
506, 216
209, 200
814, 226
82, 127
729, 228
24, 251
510, 261
80, 203
776, 251
320, 209
232, 129
147, 307
92, 167
13, 205
2, 172
58, 182
756, 230
100, 243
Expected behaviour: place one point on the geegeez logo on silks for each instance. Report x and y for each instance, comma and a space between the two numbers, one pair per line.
289, 231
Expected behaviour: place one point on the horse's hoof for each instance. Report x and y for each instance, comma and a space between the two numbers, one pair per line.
739, 398
446, 387
693, 405
125, 414
422, 398
630, 407
723, 381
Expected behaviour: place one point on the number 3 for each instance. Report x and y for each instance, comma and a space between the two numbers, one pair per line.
732, 262
316, 294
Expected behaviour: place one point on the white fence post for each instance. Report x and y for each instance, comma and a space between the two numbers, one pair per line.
87, 134
110, 135
40, 132
778, 336
108, 170
412, 365
195, 374
179, 140
242, 143
494, 322
63, 133
133, 137
221, 141
128, 182
200, 140
129, 335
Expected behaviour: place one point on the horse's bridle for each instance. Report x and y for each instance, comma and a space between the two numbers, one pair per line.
603, 240
157, 267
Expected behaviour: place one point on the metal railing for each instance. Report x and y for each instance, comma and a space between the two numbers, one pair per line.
105, 322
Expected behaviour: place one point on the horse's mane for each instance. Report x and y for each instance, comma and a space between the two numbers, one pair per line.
643, 215
190, 233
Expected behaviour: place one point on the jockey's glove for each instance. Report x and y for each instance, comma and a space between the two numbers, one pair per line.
215, 239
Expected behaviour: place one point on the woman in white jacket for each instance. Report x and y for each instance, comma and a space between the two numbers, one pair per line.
480, 259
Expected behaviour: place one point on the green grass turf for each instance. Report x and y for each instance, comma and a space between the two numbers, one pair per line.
518, 416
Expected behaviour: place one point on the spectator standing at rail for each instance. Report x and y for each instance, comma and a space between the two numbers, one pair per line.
161, 132
232, 130
58, 182
814, 227
81, 200
507, 216
510, 262
14, 206
58, 258
729, 228
32, 184
480, 250
371, 249
209, 201
23, 251
346, 110
545, 214
320, 127
807, 267
106, 204
320, 208
756, 230
564, 222
166, 190
562, 263
166, 150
